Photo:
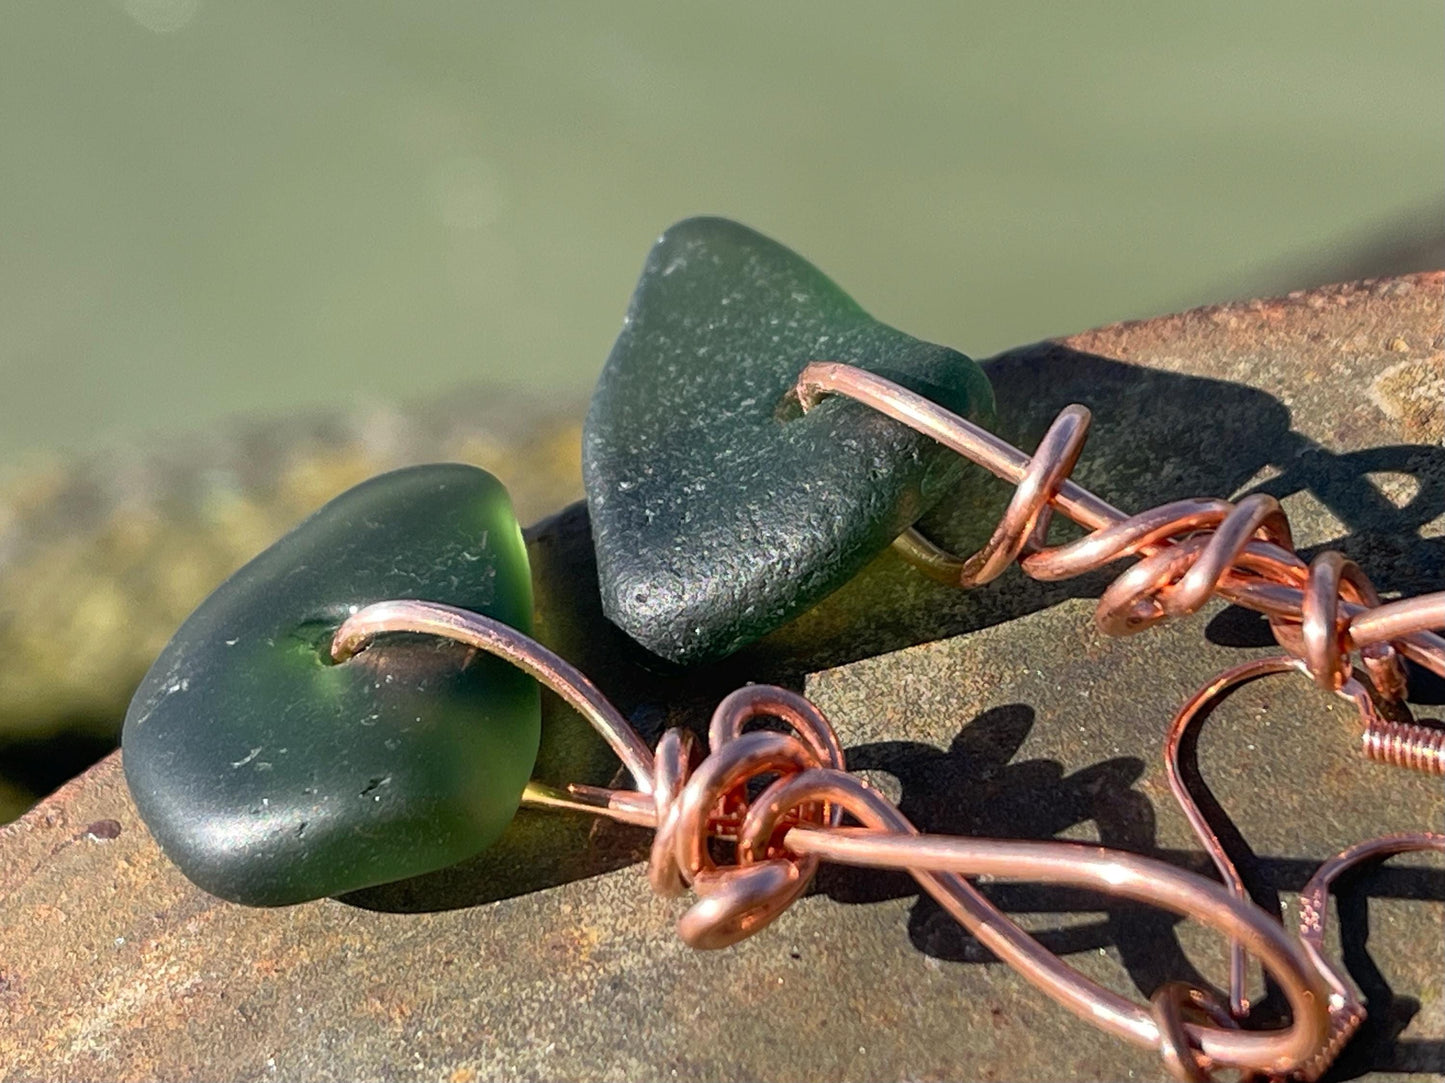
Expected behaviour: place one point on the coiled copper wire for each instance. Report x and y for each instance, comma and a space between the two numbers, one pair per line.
1406, 744
1189, 551
783, 833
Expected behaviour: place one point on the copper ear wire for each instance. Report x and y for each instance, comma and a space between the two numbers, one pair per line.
1192, 713
1195, 708
1346, 1011
1189, 550
790, 827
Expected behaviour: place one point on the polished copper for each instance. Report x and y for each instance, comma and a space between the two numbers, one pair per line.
783, 832
1323, 614
449, 622
1195, 709
1405, 744
1346, 1010
1189, 551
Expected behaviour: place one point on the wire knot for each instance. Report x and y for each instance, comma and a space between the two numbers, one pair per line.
696, 800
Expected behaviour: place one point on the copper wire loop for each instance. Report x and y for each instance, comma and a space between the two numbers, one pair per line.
1189, 551
1346, 1012
794, 823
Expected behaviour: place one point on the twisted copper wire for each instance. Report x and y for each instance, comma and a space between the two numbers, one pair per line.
1189, 550
783, 833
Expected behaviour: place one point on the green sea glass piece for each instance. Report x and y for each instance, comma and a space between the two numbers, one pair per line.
717, 512
270, 774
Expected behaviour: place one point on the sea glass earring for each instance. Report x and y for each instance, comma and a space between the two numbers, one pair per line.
270, 774
719, 511
359, 704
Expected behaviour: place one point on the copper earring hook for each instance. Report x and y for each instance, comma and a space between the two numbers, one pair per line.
1346, 1013
1193, 709
784, 833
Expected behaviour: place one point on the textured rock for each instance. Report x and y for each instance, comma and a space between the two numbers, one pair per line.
992, 711
717, 516
270, 774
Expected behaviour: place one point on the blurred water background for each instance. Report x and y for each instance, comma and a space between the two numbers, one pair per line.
209, 209
266, 209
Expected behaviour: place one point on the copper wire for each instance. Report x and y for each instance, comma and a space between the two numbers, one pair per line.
525, 653
794, 823
1346, 1011
1192, 714
1189, 551
1195, 709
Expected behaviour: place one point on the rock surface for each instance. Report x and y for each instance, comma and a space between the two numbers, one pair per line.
998, 711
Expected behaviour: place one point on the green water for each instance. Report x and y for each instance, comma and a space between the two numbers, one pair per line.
211, 208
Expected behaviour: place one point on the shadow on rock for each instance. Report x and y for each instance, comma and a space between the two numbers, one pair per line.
1157, 437
975, 788
1377, 1046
